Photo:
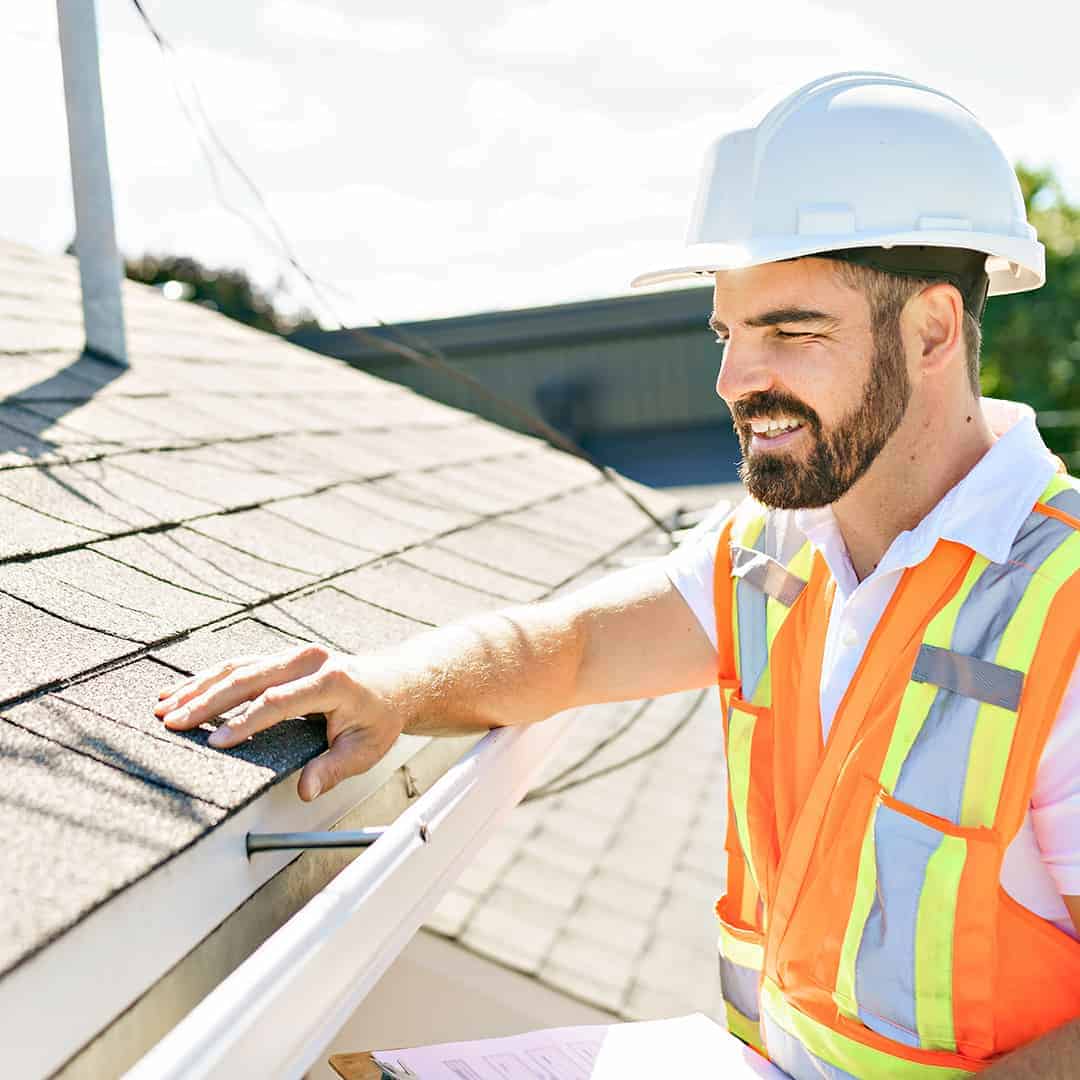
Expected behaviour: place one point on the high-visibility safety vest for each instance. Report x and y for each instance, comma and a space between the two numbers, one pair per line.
864, 931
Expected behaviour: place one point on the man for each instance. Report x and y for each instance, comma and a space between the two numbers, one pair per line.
891, 616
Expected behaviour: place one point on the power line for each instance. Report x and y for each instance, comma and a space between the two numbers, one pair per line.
597, 747
546, 791
408, 346
205, 144
421, 351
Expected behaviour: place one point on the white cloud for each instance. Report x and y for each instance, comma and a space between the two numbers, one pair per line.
680, 38
30, 20
478, 155
303, 21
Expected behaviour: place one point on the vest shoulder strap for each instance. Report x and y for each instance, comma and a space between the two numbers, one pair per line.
1061, 499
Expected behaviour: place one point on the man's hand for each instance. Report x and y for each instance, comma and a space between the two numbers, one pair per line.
626, 636
361, 724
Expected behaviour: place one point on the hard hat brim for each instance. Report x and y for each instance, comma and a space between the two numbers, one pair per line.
1013, 264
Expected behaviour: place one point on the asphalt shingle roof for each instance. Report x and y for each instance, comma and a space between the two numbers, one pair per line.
606, 891
228, 492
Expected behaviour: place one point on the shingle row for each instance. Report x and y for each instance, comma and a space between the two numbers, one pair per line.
226, 493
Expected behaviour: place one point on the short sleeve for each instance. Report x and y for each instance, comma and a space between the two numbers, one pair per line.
690, 569
1055, 800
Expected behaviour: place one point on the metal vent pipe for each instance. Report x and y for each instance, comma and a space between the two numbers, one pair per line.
100, 266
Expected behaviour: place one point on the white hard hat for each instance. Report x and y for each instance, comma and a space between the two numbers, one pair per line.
859, 160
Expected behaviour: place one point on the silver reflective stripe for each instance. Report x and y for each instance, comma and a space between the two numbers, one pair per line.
758, 577
936, 765
994, 598
885, 967
935, 770
766, 574
1067, 501
739, 987
788, 1054
751, 604
969, 676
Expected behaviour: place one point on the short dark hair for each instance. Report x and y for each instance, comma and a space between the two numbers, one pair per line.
888, 293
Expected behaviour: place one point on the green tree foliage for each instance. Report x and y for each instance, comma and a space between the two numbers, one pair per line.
1031, 341
229, 291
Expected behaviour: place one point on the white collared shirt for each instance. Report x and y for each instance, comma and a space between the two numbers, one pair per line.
984, 511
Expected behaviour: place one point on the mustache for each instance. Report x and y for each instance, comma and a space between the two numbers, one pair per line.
772, 403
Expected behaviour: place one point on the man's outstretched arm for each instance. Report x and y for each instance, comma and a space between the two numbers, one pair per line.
626, 636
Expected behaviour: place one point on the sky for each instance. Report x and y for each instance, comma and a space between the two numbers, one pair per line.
427, 160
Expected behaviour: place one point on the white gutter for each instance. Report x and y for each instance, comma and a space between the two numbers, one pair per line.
99, 967
279, 1010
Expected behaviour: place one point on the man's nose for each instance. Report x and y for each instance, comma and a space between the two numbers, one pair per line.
744, 370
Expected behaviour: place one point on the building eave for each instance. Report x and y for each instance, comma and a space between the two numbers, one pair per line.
529, 328
103, 965
282, 1006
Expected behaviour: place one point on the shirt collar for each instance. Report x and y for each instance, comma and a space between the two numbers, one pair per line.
984, 511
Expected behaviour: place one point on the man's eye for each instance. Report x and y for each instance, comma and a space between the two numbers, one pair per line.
720, 340
794, 335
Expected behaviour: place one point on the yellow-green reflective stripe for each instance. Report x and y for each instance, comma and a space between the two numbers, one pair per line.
749, 954
740, 739
802, 561
865, 889
742, 1027
934, 945
914, 708
1059, 482
918, 697
734, 586
844, 1053
747, 537
940, 629
763, 690
992, 740
775, 614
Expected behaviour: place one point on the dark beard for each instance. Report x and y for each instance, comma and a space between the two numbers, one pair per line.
838, 457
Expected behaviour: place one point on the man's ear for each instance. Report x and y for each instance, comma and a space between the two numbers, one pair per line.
934, 321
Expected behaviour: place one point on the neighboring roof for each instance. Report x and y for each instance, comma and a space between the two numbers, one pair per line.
647, 313
607, 891
226, 493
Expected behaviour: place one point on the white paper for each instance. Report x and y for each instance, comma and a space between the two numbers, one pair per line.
688, 1046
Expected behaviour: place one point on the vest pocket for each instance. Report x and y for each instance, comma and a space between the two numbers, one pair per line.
917, 957
749, 753
741, 953
739, 982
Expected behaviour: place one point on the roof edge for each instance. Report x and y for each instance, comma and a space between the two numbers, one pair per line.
159, 919
585, 321
277, 1012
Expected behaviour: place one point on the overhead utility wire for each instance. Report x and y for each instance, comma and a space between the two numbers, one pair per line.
594, 750
189, 109
422, 352
551, 788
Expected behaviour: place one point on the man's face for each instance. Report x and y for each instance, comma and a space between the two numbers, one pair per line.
813, 397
